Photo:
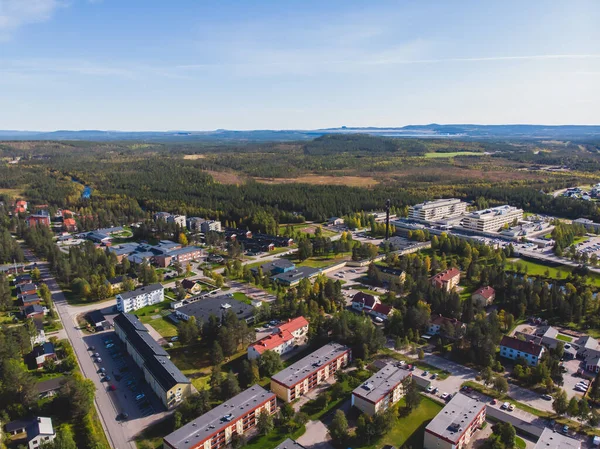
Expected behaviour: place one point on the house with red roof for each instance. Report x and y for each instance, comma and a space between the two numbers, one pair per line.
447, 279
484, 296
446, 327
371, 305
69, 225
20, 207
284, 338
514, 348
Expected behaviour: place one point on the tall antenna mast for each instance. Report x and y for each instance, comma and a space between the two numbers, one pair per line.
387, 219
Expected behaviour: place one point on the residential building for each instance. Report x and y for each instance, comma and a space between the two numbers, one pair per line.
310, 371
37, 431
42, 218
275, 267
454, 426
203, 307
514, 348
26, 289
215, 429
446, 327
592, 364
191, 287
163, 377
20, 207
41, 353
193, 223
391, 276
34, 310
69, 225
284, 338
293, 277
437, 210
97, 319
382, 390
484, 296
588, 224
28, 300
371, 305
335, 221
446, 280
116, 282
550, 439
178, 220
140, 297
492, 220
210, 226
49, 388
288, 443
40, 334
181, 255
24, 278
12, 268
161, 216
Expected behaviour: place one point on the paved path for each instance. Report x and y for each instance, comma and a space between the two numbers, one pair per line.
316, 436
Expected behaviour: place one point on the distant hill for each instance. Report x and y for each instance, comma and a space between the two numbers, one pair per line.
414, 131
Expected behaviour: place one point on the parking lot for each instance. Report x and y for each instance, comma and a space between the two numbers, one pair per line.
120, 376
571, 378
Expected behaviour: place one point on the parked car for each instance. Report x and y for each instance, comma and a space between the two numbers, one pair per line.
511, 407
112, 388
174, 339
98, 360
425, 373
547, 397
505, 406
96, 355
444, 396
434, 376
494, 402
565, 429
429, 389
110, 345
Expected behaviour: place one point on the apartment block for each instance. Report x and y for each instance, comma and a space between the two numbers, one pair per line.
284, 338
447, 279
513, 348
492, 220
454, 426
437, 210
211, 226
163, 377
215, 429
382, 390
304, 375
550, 439
141, 297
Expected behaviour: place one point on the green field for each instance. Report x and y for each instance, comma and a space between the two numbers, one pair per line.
452, 154
410, 429
532, 268
242, 297
306, 228
323, 261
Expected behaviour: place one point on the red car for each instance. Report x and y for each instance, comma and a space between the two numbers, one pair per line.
112, 388
494, 402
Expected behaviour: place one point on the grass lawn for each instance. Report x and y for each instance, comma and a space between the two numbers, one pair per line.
577, 240
409, 430
274, 438
162, 326
559, 272
242, 297
307, 228
322, 261
315, 413
564, 338
366, 290
452, 154
520, 443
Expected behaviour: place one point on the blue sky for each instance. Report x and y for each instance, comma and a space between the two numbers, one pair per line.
201, 64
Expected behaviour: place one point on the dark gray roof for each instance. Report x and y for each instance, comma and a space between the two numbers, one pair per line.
26, 287
381, 383
156, 359
96, 316
29, 298
211, 422
50, 384
16, 425
296, 274
294, 373
34, 308
455, 417
203, 308
290, 444
142, 290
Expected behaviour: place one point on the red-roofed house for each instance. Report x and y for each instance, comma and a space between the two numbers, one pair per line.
484, 296
364, 302
513, 348
446, 280
283, 340
440, 325
69, 225
38, 220
20, 207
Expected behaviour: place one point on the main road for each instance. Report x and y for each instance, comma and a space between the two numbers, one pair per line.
118, 434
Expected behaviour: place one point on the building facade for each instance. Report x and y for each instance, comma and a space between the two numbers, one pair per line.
513, 348
284, 338
141, 297
179, 220
211, 226
447, 279
437, 210
492, 220
382, 390
304, 375
215, 429
484, 296
454, 426
163, 377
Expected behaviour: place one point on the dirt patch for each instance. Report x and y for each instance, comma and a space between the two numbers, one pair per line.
353, 181
225, 177
193, 157
308, 230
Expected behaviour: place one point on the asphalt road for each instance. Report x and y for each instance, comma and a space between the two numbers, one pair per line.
117, 434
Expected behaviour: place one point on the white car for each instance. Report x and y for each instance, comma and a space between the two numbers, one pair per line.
444, 396
505, 406
429, 389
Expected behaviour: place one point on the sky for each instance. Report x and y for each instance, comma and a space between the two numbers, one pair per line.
286, 64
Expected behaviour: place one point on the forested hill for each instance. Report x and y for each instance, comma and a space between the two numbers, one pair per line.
412, 131
353, 143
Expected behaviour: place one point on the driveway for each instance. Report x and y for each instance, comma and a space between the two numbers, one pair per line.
316, 436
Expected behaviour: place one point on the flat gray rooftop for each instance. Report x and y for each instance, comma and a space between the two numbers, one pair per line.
554, 440
294, 373
381, 383
290, 444
211, 422
455, 417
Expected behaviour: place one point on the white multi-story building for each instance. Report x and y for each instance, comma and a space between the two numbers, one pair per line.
454, 426
438, 209
177, 219
141, 297
210, 226
492, 220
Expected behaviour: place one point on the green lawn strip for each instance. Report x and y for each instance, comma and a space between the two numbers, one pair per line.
418, 363
559, 272
242, 297
577, 426
274, 438
564, 338
409, 430
366, 290
520, 443
162, 325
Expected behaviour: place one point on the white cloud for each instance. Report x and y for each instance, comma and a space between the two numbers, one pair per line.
16, 13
